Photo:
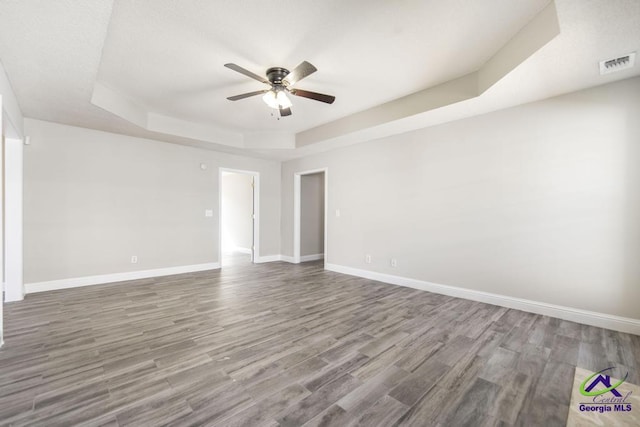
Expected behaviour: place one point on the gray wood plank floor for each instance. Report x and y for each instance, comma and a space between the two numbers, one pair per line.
281, 344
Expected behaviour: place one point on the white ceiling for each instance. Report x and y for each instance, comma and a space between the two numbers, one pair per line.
155, 67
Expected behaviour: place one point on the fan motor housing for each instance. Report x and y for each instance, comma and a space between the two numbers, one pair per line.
276, 74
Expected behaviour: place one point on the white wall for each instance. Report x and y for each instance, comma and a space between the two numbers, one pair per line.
312, 214
539, 202
93, 199
237, 208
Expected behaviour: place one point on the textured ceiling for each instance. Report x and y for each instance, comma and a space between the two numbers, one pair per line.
159, 63
169, 55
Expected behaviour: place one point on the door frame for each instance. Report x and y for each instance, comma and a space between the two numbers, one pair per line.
13, 220
297, 187
255, 250
11, 179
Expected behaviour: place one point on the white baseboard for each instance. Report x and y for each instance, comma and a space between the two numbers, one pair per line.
8, 297
290, 259
287, 258
10, 294
115, 277
602, 320
267, 258
274, 258
314, 257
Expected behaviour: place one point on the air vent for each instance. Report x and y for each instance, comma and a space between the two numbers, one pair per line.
617, 64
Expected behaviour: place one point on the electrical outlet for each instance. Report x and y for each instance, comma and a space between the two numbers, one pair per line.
367, 259
134, 259
394, 262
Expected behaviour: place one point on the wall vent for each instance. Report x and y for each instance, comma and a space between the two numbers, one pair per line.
617, 64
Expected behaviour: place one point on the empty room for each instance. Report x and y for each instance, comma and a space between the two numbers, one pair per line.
320, 213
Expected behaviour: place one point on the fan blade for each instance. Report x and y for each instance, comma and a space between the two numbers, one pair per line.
247, 95
247, 73
303, 70
313, 95
285, 112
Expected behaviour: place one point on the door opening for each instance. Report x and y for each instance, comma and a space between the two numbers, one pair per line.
238, 217
310, 215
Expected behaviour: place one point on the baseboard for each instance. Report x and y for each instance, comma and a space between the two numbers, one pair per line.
314, 257
602, 320
13, 298
242, 250
274, 258
10, 296
267, 258
53, 285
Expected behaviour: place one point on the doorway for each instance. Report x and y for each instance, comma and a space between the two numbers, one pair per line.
239, 192
310, 215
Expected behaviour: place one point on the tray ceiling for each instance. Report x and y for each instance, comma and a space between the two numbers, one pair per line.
154, 68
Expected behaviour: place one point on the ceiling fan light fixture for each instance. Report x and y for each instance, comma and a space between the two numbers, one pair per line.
277, 99
283, 100
270, 99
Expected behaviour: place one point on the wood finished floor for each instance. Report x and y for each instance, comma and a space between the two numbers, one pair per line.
281, 344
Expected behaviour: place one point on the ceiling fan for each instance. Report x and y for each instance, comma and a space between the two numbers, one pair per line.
281, 81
